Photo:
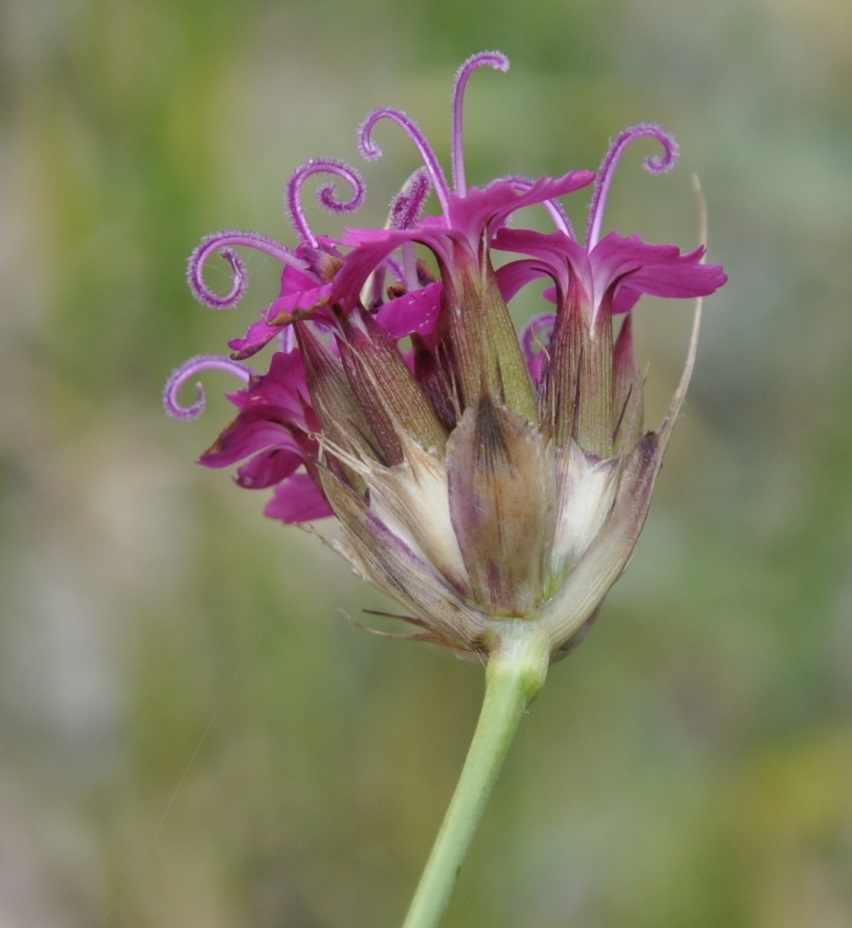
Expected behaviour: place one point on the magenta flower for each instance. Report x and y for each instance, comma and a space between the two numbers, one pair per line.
479, 475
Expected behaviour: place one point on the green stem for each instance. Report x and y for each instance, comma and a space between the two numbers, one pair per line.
515, 673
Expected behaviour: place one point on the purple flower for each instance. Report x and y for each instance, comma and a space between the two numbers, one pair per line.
478, 475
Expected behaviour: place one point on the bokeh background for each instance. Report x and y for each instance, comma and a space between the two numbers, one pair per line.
191, 734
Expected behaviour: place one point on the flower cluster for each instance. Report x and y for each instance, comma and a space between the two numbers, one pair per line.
479, 475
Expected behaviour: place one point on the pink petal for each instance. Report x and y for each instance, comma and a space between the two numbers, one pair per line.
658, 270
259, 335
414, 312
295, 281
370, 248
284, 387
298, 499
269, 468
492, 205
250, 433
287, 304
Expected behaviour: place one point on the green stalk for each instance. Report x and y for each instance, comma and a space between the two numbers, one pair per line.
515, 673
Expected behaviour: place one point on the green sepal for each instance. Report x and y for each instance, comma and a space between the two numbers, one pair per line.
481, 337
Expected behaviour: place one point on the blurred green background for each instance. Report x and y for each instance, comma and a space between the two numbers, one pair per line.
191, 734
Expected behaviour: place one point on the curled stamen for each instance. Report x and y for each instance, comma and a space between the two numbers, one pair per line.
221, 242
657, 164
554, 207
407, 204
371, 151
499, 62
326, 194
187, 371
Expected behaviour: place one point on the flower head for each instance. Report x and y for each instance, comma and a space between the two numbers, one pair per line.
479, 475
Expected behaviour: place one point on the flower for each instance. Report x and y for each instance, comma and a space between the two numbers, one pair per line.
479, 476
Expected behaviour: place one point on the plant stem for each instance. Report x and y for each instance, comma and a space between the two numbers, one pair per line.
516, 669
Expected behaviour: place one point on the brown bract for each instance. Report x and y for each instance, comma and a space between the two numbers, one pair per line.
491, 519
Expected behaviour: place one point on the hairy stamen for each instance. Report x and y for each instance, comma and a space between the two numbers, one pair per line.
657, 164
371, 151
221, 242
187, 371
495, 60
408, 203
326, 194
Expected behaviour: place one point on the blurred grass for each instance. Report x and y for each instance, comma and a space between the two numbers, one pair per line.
189, 733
